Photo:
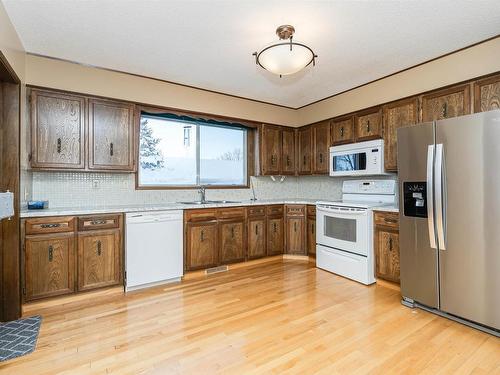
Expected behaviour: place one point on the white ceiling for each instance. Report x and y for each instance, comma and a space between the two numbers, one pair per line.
208, 44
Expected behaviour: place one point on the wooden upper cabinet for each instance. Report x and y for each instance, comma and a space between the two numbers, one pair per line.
446, 103
321, 147
256, 237
111, 135
49, 265
288, 152
99, 257
487, 94
305, 148
232, 240
342, 130
368, 124
57, 130
201, 245
396, 115
270, 149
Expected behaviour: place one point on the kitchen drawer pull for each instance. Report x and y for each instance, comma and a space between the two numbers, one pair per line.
51, 253
98, 222
390, 221
99, 248
56, 225
111, 152
59, 144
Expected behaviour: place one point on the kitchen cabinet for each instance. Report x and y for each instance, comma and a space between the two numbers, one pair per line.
304, 138
386, 245
288, 162
275, 229
487, 94
270, 150
368, 124
256, 232
295, 221
111, 135
396, 115
201, 245
321, 147
99, 254
57, 130
446, 103
232, 240
49, 265
311, 230
342, 130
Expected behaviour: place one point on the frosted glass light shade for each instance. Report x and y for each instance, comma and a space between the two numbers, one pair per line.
279, 59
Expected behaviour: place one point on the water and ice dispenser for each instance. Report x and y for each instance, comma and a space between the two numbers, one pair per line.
415, 199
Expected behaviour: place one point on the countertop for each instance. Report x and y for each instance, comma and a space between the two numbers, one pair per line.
70, 211
390, 208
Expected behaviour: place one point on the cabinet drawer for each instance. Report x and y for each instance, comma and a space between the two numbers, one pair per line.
98, 222
232, 212
387, 219
295, 210
311, 210
275, 210
200, 215
50, 225
256, 211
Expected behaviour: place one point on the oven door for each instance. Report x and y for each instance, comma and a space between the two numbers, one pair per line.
343, 228
349, 163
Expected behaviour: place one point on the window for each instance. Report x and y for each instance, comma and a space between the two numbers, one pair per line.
174, 151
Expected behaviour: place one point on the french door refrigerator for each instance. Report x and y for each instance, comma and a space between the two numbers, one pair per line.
449, 173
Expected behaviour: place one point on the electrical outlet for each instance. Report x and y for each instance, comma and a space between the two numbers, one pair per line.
95, 184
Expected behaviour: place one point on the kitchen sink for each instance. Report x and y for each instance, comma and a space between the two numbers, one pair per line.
208, 202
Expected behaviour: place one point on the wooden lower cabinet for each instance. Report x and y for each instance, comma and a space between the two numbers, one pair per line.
256, 237
232, 240
275, 235
311, 235
386, 246
98, 259
295, 235
201, 245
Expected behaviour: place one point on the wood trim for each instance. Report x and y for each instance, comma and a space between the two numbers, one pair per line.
7, 73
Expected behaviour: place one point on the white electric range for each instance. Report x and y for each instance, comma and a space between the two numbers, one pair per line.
344, 236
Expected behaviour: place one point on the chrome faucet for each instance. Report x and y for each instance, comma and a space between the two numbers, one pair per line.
201, 191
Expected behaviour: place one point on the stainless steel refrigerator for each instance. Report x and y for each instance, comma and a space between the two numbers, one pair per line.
449, 176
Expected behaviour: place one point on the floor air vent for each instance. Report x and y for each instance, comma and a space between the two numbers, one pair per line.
209, 271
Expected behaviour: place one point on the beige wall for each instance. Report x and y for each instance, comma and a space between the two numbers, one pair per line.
11, 45
63, 75
469, 63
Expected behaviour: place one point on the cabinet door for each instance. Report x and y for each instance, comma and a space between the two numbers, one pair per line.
288, 155
396, 115
387, 254
49, 265
343, 130
311, 235
256, 237
304, 140
368, 125
201, 245
487, 94
99, 256
451, 102
321, 147
295, 235
232, 241
57, 130
275, 236
270, 150
111, 135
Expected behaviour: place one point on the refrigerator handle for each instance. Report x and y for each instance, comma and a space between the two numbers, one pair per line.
430, 196
440, 197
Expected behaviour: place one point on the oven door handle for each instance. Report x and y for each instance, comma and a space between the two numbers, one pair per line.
341, 211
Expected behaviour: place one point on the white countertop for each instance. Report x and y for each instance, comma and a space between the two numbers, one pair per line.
390, 208
70, 211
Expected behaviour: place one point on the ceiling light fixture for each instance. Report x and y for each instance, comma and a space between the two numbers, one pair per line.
285, 57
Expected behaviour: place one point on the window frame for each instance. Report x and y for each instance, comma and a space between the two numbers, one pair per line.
251, 130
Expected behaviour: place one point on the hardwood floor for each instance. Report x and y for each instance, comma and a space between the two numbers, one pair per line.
271, 318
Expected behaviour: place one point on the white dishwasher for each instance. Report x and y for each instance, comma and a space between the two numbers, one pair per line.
153, 248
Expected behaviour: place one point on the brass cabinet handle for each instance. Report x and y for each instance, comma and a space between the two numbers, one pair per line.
295, 227
274, 227
51, 253
288, 161
304, 160
56, 225
321, 158
232, 232
111, 152
390, 243
202, 235
256, 230
341, 132
99, 248
59, 145
98, 222
444, 110
390, 221
368, 126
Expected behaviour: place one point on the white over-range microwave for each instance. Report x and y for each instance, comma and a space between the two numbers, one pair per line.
357, 159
